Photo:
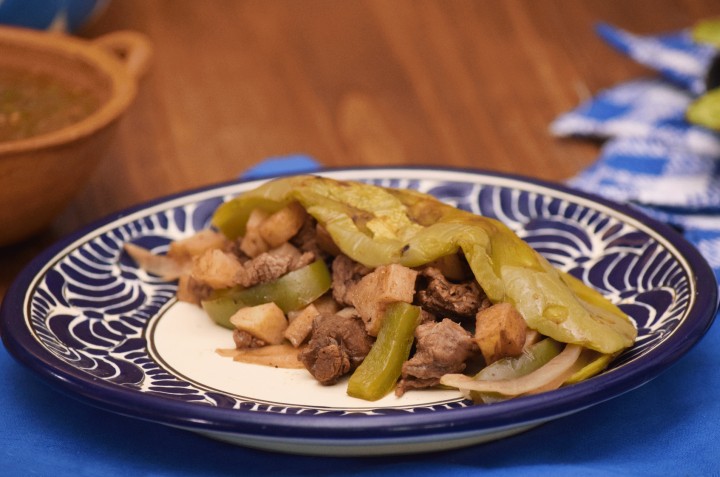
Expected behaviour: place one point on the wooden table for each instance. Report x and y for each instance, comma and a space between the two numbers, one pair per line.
468, 83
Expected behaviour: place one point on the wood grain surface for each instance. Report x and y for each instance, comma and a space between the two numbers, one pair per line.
465, 83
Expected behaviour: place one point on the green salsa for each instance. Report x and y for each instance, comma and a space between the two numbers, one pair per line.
32, 104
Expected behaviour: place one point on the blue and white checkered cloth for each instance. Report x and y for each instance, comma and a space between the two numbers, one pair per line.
652, 158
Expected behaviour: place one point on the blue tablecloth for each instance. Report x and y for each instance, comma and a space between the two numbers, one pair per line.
666, 427
669, 426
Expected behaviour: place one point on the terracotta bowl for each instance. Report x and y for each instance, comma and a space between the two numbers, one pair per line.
40, 174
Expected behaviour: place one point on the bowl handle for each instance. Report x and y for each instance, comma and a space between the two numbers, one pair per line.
133, 49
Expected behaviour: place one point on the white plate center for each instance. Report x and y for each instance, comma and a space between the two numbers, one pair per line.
185, 341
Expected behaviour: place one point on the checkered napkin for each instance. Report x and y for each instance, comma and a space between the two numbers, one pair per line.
651, 157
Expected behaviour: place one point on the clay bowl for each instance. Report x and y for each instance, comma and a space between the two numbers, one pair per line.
41, 173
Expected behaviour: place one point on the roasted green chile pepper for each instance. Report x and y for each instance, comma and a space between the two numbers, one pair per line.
377, 374
378, 226
292, 291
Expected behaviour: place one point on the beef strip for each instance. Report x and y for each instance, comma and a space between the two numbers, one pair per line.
441, 348
273, 264
444, 298
306, 238
338, 345
346, 273
243, 340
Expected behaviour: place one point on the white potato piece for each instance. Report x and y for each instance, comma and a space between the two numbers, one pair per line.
252, 244
500, 331
282, 225
266, 322
216, 269
301, 325
376, 290
326, 304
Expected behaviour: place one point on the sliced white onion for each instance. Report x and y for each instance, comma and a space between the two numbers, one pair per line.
552, 370
161, 265
531, 337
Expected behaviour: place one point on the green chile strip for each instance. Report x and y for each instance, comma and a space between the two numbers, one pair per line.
292, 291
381, 368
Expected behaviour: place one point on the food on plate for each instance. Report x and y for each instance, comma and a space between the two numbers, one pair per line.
390, 289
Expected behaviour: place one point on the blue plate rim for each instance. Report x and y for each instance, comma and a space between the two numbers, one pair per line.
436, 424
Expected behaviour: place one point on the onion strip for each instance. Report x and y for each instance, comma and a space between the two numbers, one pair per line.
554, 369
277, 356
163, 266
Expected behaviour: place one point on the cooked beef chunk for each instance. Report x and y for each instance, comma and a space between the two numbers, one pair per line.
338, 344
447, 299
306, 258
306, 238
273, 264
441, 348
263, 268
426, 316
346, 273
243, 340
325, 241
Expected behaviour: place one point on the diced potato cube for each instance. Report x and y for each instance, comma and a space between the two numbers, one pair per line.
301, 325
386, 284
266, 322
252, 244
256, 217
326, 304
286, 250
283, 224
500, 332
216, 269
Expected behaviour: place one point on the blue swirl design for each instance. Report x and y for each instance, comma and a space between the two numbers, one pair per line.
92, 307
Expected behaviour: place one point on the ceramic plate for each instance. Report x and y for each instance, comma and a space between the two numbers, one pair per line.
85, 318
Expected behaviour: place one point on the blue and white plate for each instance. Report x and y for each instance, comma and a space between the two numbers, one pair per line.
85, 318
